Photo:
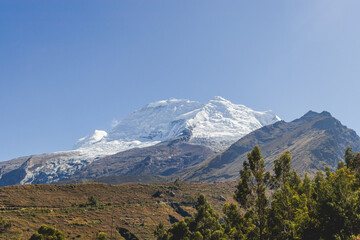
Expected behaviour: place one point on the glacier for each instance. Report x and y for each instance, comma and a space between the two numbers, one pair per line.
216, 124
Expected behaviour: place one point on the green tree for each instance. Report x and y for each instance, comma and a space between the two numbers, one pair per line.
236, 225
179, 231
47, 233
336, 200
288, 213
93, 201
250, 192
352, 162
349, 155
160, 232
205, 220
282, 168
204, 224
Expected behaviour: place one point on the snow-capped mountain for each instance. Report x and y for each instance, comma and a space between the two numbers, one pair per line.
216, 124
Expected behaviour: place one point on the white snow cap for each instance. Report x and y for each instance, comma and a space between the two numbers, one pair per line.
218, 120
97, 136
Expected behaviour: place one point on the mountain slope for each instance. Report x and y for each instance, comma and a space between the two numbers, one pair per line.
44, 168
315, 140
163, 159
214, 125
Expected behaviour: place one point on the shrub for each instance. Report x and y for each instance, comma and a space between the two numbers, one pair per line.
47, 233
101, 236
4, 225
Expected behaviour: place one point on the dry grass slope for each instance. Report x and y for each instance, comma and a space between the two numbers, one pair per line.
129, 206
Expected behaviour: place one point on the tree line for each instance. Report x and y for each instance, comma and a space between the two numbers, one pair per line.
280, 205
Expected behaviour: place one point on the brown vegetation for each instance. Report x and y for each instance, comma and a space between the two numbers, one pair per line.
129, 206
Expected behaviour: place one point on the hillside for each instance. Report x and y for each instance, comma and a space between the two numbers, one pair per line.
315, 140
136, 208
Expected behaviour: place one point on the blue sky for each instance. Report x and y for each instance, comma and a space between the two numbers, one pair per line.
69, 67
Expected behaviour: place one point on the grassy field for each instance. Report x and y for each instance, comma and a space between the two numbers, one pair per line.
137, 208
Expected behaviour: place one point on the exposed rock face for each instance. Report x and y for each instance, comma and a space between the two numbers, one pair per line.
315, 140
42, 168
163, 159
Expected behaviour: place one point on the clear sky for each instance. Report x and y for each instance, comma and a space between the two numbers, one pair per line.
70, 67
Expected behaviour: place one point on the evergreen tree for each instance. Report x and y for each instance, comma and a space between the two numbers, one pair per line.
204, 224
178, 231
336, 200
205, 220
349, 155
288, 211
282, 168
250, 192
236, 226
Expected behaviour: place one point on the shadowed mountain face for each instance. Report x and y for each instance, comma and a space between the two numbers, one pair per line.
163, 159
138, 164
315, 140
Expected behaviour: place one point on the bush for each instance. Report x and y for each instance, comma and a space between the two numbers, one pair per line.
93, 201
47, 233
4, 225
102, 236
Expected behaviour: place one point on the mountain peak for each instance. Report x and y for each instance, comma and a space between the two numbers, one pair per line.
97, 136
326, 113
312, 114
219, 98
167, 102
219, 120
223, 101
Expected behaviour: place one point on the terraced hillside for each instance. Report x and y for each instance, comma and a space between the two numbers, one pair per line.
118, 210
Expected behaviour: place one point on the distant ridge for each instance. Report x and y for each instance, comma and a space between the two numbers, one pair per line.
315, 140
